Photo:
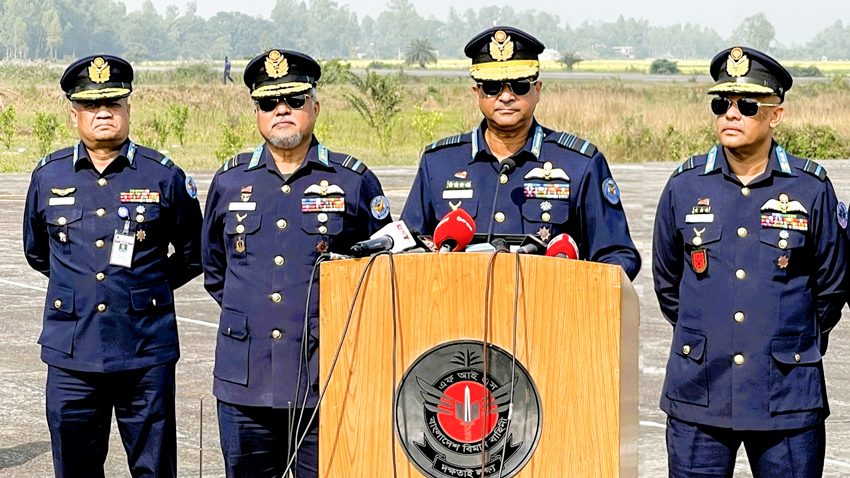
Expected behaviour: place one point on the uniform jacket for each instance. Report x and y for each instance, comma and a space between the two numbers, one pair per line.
262, 236
752, 279
100, 317
578, 195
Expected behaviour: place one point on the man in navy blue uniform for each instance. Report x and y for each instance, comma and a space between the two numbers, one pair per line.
99, 219
269, 216
749, 264
561, 183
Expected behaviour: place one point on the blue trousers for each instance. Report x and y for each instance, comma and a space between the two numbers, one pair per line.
257, 443
701, 451
79, 415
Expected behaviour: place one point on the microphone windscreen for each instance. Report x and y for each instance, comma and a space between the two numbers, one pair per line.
562, 244
456, 227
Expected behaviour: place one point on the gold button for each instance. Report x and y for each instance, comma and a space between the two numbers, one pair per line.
322, 217
101, 307
57, 303
745, 191
281, 223
500, 217
101, 182
742, 232
739, 359
278, 260
240, 229
686, 349
783, 197
276, 297
503, 178
100, 212
276, 334
783, 243
62, 221
547, 165
100, 276
739, 317
697, 241
140, 218
740, 274
546, 217
797, 358
285, 189
323, 230
99, 243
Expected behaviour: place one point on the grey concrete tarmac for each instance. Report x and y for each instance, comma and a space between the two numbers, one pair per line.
24, 438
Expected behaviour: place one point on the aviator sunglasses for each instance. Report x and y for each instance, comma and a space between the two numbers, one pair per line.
494, 88
295, 102
747, 106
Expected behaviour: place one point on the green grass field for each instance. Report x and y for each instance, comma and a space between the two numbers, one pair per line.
629, 121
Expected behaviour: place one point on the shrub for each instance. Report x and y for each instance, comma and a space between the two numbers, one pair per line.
814, 141
230, 142
44, 128
179, 115
335, 72
7, 126
664, 67
810, 71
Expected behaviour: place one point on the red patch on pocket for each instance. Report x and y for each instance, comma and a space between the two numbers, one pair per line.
699, 260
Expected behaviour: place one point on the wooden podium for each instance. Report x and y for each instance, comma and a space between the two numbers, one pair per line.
577, 336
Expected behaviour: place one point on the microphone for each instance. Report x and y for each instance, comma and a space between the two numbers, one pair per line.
532, 245
454, 231
562, 245
394, 237
508, 166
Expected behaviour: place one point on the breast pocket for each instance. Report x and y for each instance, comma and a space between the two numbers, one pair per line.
782, 253
686, 379
323, 223
441, 208
63, 225
551, 211
232, 347
701, 247
796, 375
60, 319
241, 237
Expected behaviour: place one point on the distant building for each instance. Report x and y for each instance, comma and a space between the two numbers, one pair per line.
626, 51
550, 54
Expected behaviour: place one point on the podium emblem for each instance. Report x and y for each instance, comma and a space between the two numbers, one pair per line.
447, 415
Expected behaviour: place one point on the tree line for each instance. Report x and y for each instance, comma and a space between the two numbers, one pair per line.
64, 29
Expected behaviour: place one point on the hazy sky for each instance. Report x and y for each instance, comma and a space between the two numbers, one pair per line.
796, 21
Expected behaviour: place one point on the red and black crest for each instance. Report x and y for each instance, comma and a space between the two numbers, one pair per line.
447, 415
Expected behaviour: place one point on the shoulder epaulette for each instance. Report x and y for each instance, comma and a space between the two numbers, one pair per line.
450, 141
689, 164
61, 154
814, 169
574, 143
155, 155
353, 164
233, 162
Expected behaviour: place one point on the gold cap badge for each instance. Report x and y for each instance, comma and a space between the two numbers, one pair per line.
99, 70
501, 46
276, 65
738, 64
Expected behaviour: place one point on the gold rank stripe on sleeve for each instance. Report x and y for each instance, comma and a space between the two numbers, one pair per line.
320, 204
780, 220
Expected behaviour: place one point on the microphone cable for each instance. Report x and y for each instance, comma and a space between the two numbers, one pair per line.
338, 352
513, 363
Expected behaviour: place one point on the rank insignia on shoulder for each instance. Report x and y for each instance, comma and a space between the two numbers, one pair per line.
380, 207
324, 188
841, 214
699, 260
611, 191
191, 187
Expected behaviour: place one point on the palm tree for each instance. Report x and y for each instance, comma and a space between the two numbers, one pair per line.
420, 51
569, 60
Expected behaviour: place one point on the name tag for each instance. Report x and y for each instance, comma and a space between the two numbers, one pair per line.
242, 206
122, 249
69, 201
699, 218
458, 194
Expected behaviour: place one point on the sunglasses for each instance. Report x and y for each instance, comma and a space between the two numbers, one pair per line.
494, 88
747, 106
295, 102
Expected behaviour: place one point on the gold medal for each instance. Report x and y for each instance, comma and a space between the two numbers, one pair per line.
240, 245
141, 235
